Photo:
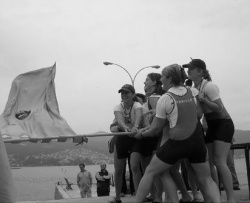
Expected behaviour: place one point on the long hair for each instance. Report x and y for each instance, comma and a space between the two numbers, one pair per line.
206, 75
158, 85
142, 96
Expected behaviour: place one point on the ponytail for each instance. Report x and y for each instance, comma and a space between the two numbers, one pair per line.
206, 75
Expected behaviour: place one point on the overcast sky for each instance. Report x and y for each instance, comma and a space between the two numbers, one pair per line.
79, 35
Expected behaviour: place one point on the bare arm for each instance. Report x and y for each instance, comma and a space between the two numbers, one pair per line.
138, 116
215, 105
120, 121
78, 180
156, 127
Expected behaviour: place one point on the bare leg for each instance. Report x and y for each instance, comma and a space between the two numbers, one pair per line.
208, 187
221, 150
214, 173
156, 167
144, 163
156, 188
231, 166
169, 187
135, 162
193, 181
174, 171
119, 165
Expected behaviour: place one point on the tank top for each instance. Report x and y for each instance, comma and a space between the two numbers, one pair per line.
186, 116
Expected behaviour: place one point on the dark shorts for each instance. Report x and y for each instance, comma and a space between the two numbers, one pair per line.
126, 145
219, 129
103, 188
150, 145
193, 148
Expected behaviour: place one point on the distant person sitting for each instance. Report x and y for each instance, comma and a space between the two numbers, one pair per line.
84, 182
103, 178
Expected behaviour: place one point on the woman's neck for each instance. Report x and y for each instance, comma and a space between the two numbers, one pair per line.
151, 90
197, 81
128, 104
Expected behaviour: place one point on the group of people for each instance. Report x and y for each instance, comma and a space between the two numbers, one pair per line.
167, 130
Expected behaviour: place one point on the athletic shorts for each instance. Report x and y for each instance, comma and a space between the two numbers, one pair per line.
219, 129
193, 148
150, 145
126, 145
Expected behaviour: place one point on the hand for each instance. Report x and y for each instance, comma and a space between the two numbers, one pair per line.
201, 97
127, 129
138, 134
134, 131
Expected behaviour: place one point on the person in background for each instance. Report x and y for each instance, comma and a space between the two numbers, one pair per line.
128, 115
84, 181
220, 129
103, 178
183, 135
153, 90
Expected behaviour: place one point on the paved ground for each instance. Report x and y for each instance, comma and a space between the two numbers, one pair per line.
242, 196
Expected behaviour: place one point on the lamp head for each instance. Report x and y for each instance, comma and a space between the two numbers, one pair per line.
156, 67
107, 63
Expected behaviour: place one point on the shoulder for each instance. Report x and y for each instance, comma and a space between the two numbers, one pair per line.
118, 107
165, 98
154, 95
209, 85
137, 105
178, 90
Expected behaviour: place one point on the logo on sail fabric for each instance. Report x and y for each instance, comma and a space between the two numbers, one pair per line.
22, 115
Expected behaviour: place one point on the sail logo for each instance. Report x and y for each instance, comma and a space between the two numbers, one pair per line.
22, 115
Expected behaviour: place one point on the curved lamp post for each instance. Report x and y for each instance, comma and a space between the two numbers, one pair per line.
132, 79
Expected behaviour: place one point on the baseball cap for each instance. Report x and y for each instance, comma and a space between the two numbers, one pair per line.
195, 63
127, 88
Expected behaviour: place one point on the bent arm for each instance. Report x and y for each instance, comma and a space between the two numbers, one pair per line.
215, 105
98, 177
154, 129
107, 177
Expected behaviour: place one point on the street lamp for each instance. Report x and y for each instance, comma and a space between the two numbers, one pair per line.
132, 79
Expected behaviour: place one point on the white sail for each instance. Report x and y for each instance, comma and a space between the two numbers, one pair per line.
32, 111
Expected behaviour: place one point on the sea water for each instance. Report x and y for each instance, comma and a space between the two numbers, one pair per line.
38, 183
